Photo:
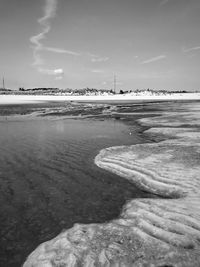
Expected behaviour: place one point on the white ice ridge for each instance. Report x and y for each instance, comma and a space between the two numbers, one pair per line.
149, 232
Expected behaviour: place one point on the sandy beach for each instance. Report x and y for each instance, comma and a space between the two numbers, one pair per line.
148, 232
28, 99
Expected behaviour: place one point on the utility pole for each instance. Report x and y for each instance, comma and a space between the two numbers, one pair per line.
114, 83
3, 84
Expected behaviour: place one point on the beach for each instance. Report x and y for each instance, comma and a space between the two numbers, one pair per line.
100, 133
148, 232
23, 99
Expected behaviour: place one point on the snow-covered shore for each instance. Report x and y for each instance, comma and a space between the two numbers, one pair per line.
25, 99
149, 232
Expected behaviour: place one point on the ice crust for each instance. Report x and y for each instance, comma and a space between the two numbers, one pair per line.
149, 232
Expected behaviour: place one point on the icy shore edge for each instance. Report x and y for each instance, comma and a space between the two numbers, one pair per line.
149, 232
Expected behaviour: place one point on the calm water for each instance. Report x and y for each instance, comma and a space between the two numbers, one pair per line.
48, 180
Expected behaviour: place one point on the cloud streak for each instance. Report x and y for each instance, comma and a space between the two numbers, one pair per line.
99, 59
50, 8
55, 72
61, 51
163, 2
191, 49
96, 58
49, 12
154, 59
97, 71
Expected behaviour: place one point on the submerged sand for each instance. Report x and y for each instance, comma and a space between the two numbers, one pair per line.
149, 232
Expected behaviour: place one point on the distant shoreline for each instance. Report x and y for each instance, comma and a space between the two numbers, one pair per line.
29, 99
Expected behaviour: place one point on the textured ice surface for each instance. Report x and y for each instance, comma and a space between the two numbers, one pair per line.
149, 232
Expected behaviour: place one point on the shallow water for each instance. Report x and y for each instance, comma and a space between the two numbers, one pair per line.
48, 180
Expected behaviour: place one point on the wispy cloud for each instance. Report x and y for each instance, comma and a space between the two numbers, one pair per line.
55, 72
50, 8
58, 78
163, 2
154, 59
61, 51
49, 12
185, 50
97, 71
99, 59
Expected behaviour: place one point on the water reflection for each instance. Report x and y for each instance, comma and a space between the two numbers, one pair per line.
49, 181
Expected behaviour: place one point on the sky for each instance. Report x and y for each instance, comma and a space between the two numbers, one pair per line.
84, 43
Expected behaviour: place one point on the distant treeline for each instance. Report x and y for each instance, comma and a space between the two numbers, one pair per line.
85, 91
56, 91
5, 90
153, 91
69, 90
38, 89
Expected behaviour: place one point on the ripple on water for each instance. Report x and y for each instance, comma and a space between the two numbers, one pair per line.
149, 232
49, 180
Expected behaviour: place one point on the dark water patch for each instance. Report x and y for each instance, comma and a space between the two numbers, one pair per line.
53, 109
48, 180
24, 109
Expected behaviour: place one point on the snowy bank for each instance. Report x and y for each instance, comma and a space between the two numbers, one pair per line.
149, 232
25, 99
